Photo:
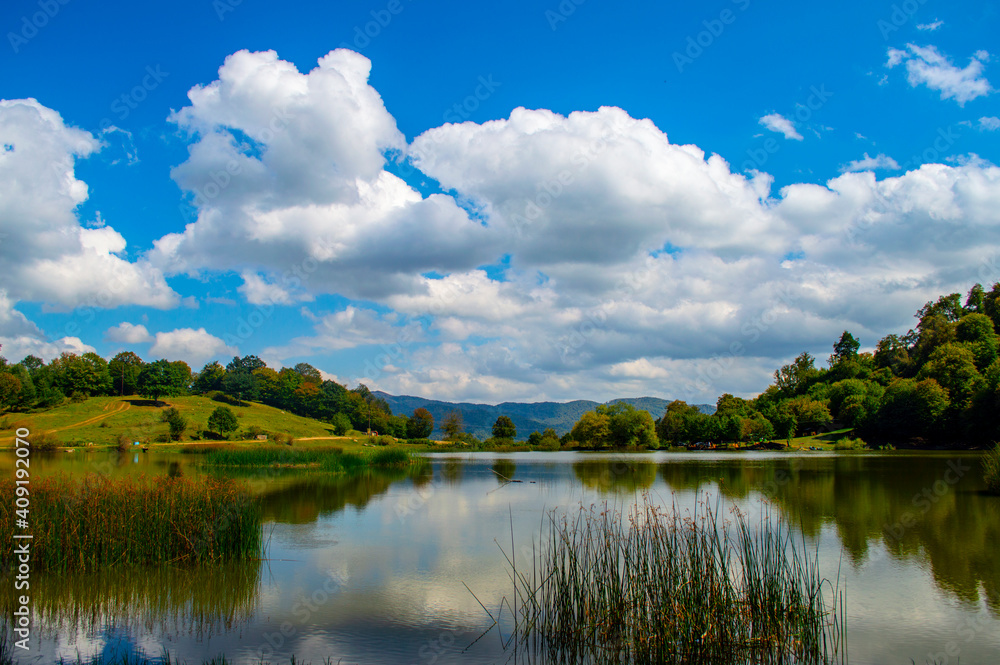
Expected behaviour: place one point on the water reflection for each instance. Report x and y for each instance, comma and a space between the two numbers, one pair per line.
198, 601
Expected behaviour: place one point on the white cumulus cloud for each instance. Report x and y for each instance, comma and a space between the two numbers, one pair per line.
867, 163
192, 346
128, 333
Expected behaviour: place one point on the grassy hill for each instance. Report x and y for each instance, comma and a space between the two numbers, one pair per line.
527, 416
101, 420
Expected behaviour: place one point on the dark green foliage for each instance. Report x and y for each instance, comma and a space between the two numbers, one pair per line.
420, 425
504, 428
223, 421
175, 421
124, 369
341, 424
159, 379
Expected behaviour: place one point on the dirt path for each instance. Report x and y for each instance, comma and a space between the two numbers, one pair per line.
122, 406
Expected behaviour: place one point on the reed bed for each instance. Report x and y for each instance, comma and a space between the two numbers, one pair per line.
96, 522
991, 470
656, 587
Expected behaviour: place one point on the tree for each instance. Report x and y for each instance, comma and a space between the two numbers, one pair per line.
845, 349
157, 379
793, 378
10, 390
592, 430
975, 301
453, 426
209, 378
420, 425
341, 424
504, 428
975, 331
954, 368
308, 372
175, 421
629, 426
124, 369
678, 424
223, 421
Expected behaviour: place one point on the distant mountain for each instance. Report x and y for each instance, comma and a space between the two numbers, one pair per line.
527, 417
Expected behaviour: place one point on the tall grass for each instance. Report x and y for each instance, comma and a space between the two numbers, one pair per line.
329, 459
96, 521
660, 588
991, 469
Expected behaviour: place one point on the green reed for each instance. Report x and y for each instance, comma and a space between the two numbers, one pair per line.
658, 587
95, 522
991, 469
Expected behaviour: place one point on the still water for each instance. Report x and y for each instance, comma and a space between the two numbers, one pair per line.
392, 567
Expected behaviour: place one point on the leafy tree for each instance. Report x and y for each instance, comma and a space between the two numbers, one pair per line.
794, 378
678, 424
991, 306
975, 301
245, 364
32, 364
28, 394
124, 369
240, 384
727, 405
453, 426
756, 429
341, 424
420, 424
87, 374
892, 352
954, 368
180, 374
809, 413
504, 428
975, 332
10, 390
175, 421
210, 377
846, 348
223, 421
308, 372
629, 426
948, 307
157, 379
592, 430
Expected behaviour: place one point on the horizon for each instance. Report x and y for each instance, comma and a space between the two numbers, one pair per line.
540, 202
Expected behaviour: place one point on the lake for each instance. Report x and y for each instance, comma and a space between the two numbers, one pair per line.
403, 567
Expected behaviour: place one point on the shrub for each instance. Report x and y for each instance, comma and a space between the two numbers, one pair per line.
78, 396
44, 441
124, 443
341, 424
285, 438
847, 443
382, 440
176, 421
991, 469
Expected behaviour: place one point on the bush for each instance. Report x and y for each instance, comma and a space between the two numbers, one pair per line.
228, 399
253, 431
420, 442
78, 396
284, 438
341, 424
991, 470
124, 443
847, 443
176, 421
382, 440
44, 441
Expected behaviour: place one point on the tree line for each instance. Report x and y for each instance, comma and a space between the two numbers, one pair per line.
34, 384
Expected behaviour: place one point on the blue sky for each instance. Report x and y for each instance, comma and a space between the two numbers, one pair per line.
526, 201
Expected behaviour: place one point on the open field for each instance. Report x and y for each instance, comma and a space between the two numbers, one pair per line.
100, 420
